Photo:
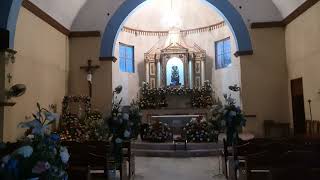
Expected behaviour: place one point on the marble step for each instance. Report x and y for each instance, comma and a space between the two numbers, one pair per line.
178, 153
171, 146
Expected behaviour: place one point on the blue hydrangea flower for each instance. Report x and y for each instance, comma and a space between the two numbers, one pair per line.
25, 151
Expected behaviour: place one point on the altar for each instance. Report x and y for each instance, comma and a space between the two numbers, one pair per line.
175, 89
174, 63
176, 119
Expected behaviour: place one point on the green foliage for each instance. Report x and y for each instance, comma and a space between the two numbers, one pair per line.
156, 98
234, 120
96, 128
90, 126
39, 154
135, 119
200, 131
158, 132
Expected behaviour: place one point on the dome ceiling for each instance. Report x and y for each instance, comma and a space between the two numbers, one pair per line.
159, 15
87, 15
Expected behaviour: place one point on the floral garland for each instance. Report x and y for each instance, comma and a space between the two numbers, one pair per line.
199, 131
67, 100
156, 98
40, 154
72, 128
157, 132
90, 127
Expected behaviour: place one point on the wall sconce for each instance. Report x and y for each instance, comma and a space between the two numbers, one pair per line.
9, 56
16, 91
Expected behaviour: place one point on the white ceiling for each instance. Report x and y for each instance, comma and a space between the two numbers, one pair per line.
184, 15
85, 15
287, 6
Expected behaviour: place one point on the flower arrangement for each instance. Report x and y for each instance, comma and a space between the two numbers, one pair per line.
200, 131
202, 97
91, 126
72, 128
96, 128
67, 100
156, 98
119, 125
158, 132
215, 117
39, 154
234, 119
135, 117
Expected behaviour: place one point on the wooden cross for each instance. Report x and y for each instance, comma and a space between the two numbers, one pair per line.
9, 76
90, 69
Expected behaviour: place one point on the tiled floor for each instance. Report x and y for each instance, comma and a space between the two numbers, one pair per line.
178, 168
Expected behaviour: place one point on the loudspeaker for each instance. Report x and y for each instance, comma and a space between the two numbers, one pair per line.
4, 38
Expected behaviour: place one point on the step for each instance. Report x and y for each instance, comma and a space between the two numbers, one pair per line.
178, 153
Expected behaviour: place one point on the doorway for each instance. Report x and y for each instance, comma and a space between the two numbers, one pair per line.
298, 106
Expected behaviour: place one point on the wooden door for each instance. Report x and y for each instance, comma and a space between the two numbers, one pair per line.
298, 106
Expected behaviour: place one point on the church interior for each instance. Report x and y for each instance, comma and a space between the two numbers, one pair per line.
159, 89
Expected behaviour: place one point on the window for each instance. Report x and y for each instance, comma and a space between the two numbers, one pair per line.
223, 53
126, 58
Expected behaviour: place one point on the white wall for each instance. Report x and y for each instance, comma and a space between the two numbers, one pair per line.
302, 38
42, 64
206, 40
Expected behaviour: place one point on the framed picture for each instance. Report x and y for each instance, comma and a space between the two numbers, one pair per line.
152, 69
198, 67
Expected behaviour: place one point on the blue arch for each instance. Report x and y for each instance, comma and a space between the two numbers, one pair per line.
226, 9
9, 11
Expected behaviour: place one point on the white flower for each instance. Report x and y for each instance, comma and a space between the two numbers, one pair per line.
25, 151
64, 155
118, 140
30, 136
47, 165
125, 116
126, 134
6, 159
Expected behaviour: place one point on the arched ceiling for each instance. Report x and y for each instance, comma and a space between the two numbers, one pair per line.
89, 15
159, 16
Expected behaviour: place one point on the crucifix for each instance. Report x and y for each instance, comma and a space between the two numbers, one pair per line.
90, 69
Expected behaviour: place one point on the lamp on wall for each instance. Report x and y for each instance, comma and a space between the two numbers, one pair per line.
16, 91
9, 56
235, 88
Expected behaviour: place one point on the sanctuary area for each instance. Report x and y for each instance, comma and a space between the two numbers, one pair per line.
159, 89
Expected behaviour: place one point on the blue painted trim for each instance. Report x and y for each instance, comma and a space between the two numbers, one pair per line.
224, 7
5, 6
13, 19
9, 12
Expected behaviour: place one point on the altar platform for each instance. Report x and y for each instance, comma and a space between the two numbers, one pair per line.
146, 149
169, 115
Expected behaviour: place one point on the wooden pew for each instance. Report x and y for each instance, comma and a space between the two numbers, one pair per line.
232, 154
129, 157
98, 158
78, 167
277, 158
